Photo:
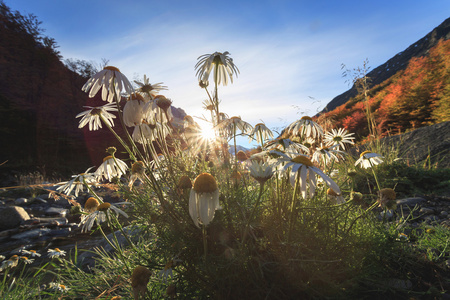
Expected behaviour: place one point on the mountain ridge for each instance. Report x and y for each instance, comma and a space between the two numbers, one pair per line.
396, 63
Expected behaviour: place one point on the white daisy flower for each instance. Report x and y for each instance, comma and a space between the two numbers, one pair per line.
31, 253
261, 171
261, 133
368, 159
98, 213
305, 127
327, 154
303, 169
56, 253
111, 81
58, 287
92, 116
336, 198
340, 137
133, 111
223, 67
149, 90
232, 124
204, 199
111, 167
77, 182
26, 260
10, 263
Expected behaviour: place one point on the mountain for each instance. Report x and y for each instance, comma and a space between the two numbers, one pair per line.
409, 91
398, 62
39, 99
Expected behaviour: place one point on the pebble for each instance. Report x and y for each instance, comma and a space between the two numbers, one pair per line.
21, 201
56, 211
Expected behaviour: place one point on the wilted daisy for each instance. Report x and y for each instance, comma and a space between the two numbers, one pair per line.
99, 214
137, 172
204, 199
133, 111
111, 167
339, 137
26, 260
261, 133
221, 63
287, 145
261, 171
77, 183
56, 253
305, 127
111, 81
368, 159
327, 154
232, 124
139, 280
58, 287
302, 169
335, 197
10, 263
92, 116
167, 271
386, 198
148, 89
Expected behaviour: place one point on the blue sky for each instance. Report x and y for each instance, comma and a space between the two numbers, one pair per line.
289, 53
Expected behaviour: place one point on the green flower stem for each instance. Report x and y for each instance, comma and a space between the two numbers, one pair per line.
205, 242
294, 197
92, 191
261, 189
133, 157
118, 248
375, 175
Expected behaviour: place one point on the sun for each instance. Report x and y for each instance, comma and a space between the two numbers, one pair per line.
207, 131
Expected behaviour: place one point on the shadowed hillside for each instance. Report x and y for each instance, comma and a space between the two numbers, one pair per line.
39, 99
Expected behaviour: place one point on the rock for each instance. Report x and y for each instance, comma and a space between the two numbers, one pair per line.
56, 211
426, 211
21, 201
410, 201
12, 216
31, 234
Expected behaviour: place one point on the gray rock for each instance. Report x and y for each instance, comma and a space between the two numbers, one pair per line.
12, 216
21, 201
431, 218
426, 211
31, 234
410, 201
444, 214
56, 211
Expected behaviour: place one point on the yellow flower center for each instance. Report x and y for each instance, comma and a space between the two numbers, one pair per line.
300, 159
95, 111
136, 96
205, 183
163, 103
62, 286
306, 118
332, 193
57, 250
104, 206
388, 194
241, 156
14, 257
364, 153
111, 68
108, 157
140, 276
236, 175
184, 182
235, 119
91, 204
259, 124
168, 265
138, 167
